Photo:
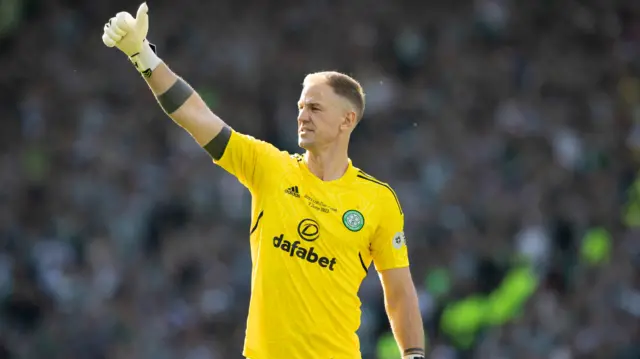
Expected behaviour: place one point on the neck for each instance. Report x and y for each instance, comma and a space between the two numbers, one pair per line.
329, 164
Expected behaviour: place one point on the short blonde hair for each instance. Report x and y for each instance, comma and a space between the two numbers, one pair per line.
343, 85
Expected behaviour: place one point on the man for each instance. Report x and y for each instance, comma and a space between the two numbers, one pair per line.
318, 221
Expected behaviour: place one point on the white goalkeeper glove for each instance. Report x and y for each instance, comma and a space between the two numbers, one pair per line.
129, 35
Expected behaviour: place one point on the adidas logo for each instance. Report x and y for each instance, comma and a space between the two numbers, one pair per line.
292, 191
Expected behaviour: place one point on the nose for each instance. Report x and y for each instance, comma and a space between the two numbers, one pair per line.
303, 116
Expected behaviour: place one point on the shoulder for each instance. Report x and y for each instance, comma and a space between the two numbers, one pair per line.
385, 193
292, 160
261, 147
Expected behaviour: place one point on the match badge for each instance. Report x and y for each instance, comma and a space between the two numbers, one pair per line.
353, 220
399, 240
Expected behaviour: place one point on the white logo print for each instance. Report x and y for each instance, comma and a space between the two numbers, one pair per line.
398, 240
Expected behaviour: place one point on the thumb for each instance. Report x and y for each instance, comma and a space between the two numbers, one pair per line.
142, 10
142, 18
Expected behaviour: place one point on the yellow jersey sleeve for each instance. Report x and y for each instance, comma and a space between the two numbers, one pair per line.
250, 160
388, 245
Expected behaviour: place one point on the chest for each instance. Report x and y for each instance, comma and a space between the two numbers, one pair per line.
333, 217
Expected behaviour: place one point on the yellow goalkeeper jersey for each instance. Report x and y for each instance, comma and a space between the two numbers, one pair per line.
312, 243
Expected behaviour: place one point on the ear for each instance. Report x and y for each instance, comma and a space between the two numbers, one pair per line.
349, 121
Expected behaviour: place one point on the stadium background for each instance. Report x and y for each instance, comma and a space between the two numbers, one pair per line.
510, 130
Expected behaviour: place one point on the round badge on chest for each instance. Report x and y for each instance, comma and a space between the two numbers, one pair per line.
353, 220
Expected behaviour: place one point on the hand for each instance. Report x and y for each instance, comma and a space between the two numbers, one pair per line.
127, 33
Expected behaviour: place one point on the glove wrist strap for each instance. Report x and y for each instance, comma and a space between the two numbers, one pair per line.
146, 60
413, 353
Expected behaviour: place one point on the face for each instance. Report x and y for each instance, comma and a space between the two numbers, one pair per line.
323, 116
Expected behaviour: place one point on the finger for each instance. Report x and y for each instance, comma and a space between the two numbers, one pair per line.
109, 31
109, 42
122, 21
142, 10
116, 29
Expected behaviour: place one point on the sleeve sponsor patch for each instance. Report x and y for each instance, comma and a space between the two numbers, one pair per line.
398, 240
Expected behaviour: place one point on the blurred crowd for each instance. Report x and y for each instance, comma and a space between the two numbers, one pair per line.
509, 129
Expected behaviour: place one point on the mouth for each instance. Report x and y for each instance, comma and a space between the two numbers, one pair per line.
303, 131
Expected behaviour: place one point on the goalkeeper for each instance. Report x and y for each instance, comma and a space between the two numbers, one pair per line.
318, 222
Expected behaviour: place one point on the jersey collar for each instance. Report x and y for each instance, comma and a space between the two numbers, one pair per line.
347, 177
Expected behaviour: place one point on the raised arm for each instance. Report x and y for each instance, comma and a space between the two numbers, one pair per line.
252, 161
184, 105
174, 94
